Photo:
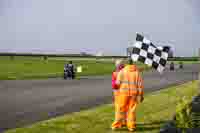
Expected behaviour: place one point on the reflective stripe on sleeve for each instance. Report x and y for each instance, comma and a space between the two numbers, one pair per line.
126, 89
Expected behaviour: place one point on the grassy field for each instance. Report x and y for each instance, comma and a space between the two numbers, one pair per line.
36, 67
157, 108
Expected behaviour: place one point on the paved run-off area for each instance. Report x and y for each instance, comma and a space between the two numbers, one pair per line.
26, 101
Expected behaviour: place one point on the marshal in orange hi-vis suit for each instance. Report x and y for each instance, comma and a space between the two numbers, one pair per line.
127, 96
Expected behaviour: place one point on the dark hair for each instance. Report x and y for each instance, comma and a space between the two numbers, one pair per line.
70, 62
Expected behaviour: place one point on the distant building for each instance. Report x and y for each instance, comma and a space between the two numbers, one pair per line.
84, 54
100, 53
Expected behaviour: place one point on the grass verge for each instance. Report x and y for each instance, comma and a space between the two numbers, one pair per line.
37, 68
157, 108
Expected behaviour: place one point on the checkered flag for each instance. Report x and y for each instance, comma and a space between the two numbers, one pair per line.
147, 53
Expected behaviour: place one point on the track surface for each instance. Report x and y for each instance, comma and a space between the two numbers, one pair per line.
23, 102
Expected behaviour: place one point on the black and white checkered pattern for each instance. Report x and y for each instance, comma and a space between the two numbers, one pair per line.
147, 53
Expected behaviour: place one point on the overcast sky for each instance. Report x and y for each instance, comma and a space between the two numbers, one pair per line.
98, 25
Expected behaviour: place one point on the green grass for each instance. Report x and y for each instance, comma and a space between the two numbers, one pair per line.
27, 67
37, 68
157, 108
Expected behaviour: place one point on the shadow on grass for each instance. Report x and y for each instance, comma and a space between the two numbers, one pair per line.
146, 126
150, 126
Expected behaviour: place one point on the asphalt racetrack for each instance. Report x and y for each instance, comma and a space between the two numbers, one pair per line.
23, 102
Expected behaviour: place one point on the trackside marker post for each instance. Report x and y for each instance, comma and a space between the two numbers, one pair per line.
79, 69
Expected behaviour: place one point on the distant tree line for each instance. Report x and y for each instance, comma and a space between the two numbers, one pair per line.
184, 59
49, 55
45, 56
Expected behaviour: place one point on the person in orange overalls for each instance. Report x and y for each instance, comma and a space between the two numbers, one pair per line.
119, 66
129, 93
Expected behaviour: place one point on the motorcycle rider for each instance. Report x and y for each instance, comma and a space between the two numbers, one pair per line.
69, 70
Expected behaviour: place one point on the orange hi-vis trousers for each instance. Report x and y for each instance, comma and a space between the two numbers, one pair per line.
125, 112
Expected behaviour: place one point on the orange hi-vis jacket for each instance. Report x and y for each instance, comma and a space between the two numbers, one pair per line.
129, 81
